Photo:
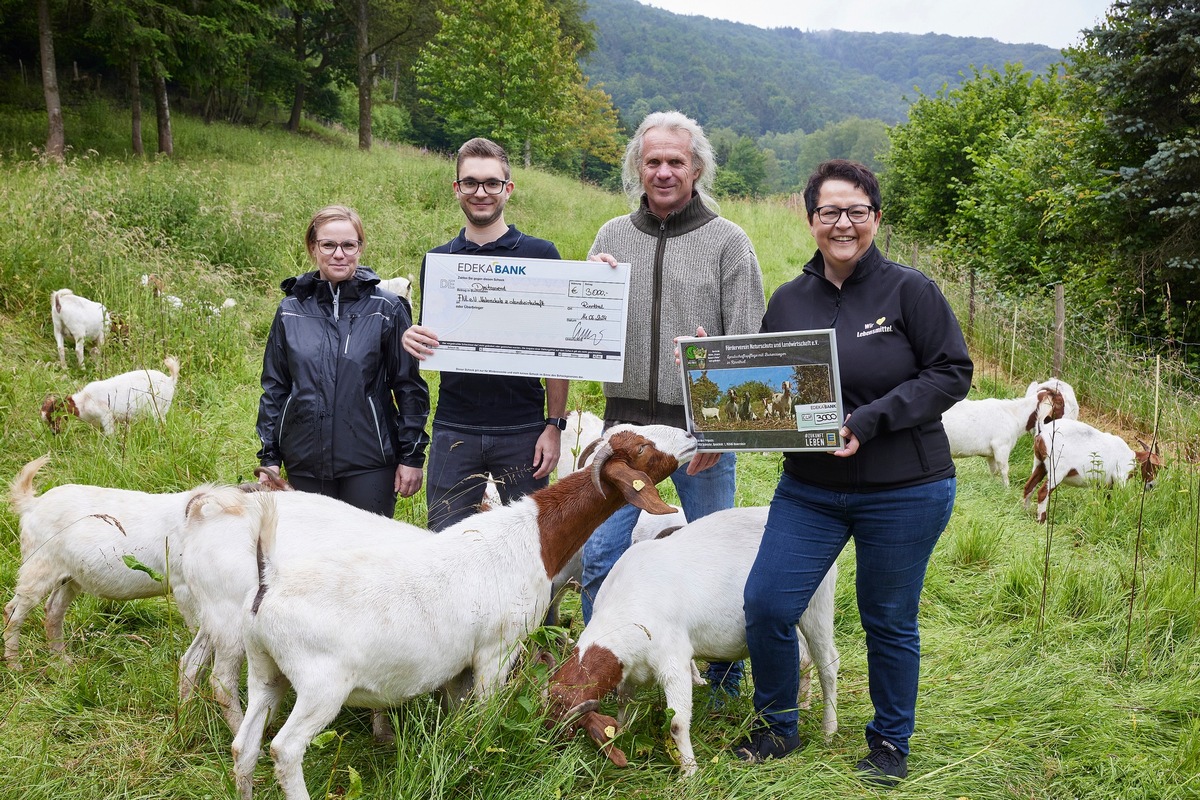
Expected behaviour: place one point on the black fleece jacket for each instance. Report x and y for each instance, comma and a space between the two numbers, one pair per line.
903, 361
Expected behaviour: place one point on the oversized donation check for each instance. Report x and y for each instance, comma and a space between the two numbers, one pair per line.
526, 316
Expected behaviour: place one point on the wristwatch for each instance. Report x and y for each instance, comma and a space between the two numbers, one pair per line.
557, 422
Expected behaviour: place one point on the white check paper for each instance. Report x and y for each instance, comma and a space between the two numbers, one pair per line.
526, 316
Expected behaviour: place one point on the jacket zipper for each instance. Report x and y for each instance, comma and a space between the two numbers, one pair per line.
282, 418
378, 433
656, 318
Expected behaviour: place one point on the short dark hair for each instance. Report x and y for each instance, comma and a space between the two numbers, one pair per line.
480, 147
841, 169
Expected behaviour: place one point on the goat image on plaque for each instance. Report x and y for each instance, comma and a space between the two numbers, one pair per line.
765, 391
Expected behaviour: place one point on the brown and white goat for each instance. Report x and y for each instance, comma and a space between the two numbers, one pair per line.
117, 400
668, 601
378, 625
1074, 453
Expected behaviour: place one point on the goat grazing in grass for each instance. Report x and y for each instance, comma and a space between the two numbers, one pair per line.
1074, 453
669, 600
374, 626
117, 400
217, 563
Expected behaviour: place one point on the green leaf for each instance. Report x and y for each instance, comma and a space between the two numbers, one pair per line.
133, 563
324, 738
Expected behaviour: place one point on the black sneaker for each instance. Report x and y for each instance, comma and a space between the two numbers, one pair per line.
763, 744
885, 765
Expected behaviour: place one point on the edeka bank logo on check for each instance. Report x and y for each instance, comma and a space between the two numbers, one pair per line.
872, 328
490, 268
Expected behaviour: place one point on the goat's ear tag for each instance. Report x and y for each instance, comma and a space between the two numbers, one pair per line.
639, 484
610, 732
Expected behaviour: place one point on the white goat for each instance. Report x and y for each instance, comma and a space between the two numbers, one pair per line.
228, 303
75, 537
119, 399
399, 285
990, 427
217, 563
374, 626
1074, 453
781, 402
710, 412
79, 318
672, 599
158, 286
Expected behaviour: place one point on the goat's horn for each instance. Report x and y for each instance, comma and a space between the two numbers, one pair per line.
602, 453
588, 449
586, 707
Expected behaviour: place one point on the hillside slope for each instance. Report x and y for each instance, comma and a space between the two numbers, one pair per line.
754, 80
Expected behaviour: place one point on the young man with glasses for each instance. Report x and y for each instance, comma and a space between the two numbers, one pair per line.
505, 425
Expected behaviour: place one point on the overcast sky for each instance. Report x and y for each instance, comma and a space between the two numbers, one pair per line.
1056, 23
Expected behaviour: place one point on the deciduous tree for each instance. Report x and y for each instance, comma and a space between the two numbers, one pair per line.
1144, 62
501, 68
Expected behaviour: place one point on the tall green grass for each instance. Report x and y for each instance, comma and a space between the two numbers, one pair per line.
1055, 665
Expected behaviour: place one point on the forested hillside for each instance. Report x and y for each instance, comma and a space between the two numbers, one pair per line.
754, 81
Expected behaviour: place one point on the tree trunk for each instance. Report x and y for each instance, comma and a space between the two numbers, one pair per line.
56, 138
301, 84
528, 152
135, 105
293, 124
364, 78
162, 111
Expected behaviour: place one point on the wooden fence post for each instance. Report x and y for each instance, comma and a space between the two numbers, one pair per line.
971, 304
887, 241
1060, 324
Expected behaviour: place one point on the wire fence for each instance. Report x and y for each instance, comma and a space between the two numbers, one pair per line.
1124, 381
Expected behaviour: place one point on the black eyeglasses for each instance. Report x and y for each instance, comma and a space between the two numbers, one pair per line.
471, 186
329, 246
831, 214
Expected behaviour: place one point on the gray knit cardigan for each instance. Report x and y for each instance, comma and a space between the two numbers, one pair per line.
705, 274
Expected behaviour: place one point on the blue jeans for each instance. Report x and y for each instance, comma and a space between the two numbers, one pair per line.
458, 467
894, 535
699, 495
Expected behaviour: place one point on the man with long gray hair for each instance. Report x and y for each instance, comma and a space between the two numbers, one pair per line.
692, 271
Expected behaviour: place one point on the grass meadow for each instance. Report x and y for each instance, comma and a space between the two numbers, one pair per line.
1060, 661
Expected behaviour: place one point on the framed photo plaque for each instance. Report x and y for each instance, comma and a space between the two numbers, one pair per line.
767, 391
